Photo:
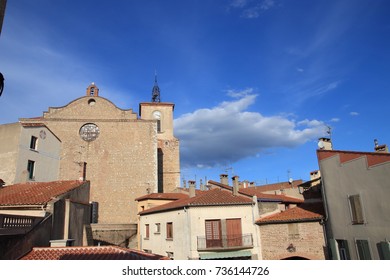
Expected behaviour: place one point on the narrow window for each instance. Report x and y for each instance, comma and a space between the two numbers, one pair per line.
33, 143
158, 126
169, 231
343, 249
293, 231
363, 249
158, 228
147, 231
30, 169
356, 209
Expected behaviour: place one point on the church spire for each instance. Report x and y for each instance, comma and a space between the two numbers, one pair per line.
155, 90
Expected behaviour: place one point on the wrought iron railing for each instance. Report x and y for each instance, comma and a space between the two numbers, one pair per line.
225, 242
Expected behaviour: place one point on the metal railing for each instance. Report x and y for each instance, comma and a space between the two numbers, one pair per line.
225, 242
14, 224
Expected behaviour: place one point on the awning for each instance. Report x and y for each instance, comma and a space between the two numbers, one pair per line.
225, 255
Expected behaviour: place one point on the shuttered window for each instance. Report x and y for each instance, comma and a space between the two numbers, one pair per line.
356, 209
169, 230
363, 249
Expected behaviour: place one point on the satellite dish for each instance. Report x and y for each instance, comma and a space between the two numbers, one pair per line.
321, 144
290, 180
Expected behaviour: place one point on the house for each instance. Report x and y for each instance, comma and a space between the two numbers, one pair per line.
356, 189
89, 253
211, 224
28, 152
296, 233
42, 214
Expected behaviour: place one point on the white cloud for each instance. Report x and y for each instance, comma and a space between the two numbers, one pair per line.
354, 113
229, 132
335, 120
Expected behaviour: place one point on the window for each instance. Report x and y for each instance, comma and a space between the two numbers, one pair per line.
213, 233
157, 228
147, 231
169, 231
356, 209
363, 249
293, 231
343, 249
30, 169
33, 143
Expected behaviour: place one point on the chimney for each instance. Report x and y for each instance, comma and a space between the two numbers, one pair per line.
184, 184
314, 175
224, 179
325, 143
380, 148
191, 188
201, 187
235, 185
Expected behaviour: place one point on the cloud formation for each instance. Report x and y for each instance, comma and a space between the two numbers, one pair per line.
229, 132
252, 8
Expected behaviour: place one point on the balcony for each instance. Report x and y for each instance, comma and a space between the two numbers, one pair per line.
226, 242
14, 225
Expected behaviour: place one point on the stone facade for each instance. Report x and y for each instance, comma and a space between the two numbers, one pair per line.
292, 240
113, 149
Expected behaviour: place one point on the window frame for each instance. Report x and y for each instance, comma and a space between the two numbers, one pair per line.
31, 169
33, 143
356, 209
169, 231
365, 253
157, 228
147, 231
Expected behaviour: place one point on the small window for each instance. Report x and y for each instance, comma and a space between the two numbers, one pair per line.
30, 169
293, 231
33, 143
159, 126
343, 249
356, 209
363, 248
147, 231
169, 231
157, 228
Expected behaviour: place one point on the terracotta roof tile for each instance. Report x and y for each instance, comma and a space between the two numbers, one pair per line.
89, 253
301, 213
373, 158
215, 197
259, 192
35, 193
163, 196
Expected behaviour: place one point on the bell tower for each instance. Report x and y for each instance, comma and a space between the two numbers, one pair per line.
167, 144
92, 90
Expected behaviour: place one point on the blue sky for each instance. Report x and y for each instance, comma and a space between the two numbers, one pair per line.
255, 82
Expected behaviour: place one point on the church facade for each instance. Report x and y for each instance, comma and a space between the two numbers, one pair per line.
123, 155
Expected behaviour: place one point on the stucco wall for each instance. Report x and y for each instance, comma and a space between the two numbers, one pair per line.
372, 184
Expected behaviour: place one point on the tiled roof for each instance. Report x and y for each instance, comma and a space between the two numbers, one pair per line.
302, 213
259, 192
162, 196
279, 186
215, 197
35, 193
89, 253
373, 158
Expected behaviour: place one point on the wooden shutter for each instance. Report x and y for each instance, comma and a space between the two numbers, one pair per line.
234, 232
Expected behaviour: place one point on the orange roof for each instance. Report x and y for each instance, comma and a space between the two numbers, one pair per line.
373, 158
162, 196
35, 193
215, 197
89, 253
302, 213
259, 192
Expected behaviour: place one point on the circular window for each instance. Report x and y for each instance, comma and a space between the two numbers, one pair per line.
89, 132
91, 102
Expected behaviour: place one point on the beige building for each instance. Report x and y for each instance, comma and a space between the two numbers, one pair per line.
123, 155
213, 224
28, 152
356, 191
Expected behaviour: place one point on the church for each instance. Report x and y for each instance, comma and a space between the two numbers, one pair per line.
124, 155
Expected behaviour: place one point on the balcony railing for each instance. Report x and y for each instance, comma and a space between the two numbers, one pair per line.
13, 224
225, 242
